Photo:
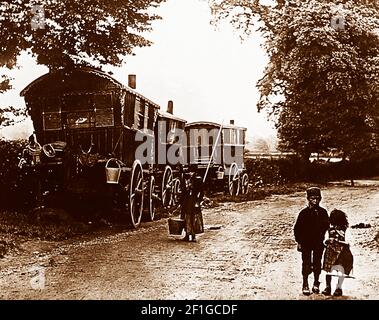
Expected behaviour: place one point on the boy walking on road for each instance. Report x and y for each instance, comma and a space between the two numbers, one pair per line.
310, 228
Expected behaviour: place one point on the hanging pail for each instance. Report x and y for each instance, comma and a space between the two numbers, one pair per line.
220, 175
112, 173
175, 226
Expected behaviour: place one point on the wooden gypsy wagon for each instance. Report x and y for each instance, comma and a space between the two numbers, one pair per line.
89, 128
215, 152
169, 137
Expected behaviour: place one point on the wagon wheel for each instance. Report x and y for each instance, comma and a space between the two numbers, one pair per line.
167, 184
136, 194
244, 183
150, 200
233, 180
176, 192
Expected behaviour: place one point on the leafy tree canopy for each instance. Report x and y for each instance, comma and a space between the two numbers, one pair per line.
62, 33
324, 67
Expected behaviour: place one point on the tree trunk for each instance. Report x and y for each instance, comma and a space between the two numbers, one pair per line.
306, 164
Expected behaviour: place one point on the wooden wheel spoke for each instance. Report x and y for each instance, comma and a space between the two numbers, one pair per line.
244, 183
136, 194
151, 197
139, 182
167, 185
176, 191
234, 180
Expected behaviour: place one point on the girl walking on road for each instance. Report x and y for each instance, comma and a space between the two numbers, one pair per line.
192, 196
338, 258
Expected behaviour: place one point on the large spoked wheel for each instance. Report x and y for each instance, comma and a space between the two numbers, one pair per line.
150, 200
176, 192
136, 194
233, 180
245, 183
167, 185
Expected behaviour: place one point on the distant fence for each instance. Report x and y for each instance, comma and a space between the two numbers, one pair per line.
269, 155
278, 168
286, 155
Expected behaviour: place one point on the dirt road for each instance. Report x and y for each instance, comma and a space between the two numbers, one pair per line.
246, 252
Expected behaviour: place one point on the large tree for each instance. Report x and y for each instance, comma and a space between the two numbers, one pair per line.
4, 86
321, 81
61, 33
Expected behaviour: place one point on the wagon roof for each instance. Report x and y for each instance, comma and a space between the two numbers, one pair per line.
51, 74
171, 116
88, 70
213, 124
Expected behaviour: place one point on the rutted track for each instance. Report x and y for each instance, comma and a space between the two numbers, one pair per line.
251, 256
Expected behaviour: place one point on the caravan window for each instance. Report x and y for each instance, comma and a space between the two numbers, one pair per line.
103, 110
52, 121
52, 114
87, 111
80, 119
241, 137
146, 116
139, 112
229, 136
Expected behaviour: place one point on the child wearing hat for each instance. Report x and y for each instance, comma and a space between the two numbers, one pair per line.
310, 228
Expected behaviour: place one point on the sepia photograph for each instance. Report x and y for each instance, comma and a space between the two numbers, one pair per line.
189, 150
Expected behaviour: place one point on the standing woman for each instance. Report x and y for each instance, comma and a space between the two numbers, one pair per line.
191, 213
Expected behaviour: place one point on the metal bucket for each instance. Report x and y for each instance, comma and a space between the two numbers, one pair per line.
113, 173
220, 175
175, 226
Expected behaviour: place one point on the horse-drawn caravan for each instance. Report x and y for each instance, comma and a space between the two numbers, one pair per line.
215, 151
86, 121
93, 134
169, 135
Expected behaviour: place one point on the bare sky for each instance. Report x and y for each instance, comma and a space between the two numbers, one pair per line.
209, 74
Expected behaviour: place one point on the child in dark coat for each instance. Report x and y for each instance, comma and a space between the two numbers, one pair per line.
310, 228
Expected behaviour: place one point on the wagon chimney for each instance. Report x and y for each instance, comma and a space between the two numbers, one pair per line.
132, 79
232, 122
170, 107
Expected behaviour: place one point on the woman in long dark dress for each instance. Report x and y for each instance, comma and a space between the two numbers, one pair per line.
192, 196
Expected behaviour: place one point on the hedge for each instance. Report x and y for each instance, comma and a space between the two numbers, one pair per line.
15, 193
11, 191
280, 171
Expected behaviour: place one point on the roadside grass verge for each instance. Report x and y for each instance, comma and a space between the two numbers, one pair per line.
265, 191
87, 217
